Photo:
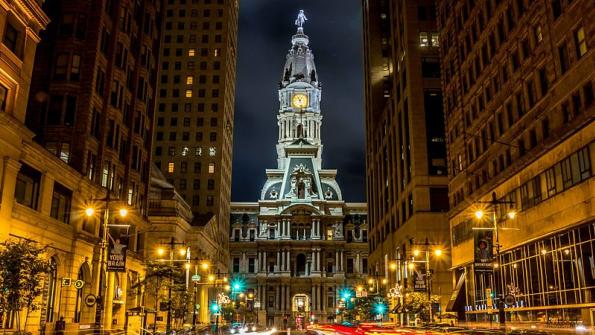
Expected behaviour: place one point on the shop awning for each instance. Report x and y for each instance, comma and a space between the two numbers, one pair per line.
452, 303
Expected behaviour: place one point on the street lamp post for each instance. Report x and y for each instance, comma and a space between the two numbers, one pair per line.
494, 203
172, 243
102, 284
428, 275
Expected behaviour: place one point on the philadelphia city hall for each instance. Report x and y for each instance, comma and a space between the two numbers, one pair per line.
301, 244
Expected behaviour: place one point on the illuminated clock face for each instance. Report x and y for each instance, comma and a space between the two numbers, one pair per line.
299, 101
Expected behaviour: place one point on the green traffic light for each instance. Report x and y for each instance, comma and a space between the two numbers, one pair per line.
380, 308
237, 285
215, 307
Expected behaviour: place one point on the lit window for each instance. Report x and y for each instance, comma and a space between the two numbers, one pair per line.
217, 52
211, 167
198, 151
185, 151
188, 93
423, 39
65, 152
212, 151
189, 80
580, 41
538, 34
435, 39
191, 52
170, 167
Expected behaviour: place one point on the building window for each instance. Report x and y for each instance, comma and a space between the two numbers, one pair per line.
251, 265
61, 202
27, 186
191, 52
211, 167
170, 167
189, 80
435, 40
11, 38
210, 200
236, 265
188, 93
563, 55
423, 39
580, 42
3, 96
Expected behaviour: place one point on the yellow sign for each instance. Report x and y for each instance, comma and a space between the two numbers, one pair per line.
79, 284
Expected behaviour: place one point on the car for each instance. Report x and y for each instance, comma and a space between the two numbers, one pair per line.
236, 328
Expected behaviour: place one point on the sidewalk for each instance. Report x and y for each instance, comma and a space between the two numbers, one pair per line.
527, 326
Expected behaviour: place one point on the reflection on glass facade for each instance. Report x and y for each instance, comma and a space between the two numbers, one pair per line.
555, 271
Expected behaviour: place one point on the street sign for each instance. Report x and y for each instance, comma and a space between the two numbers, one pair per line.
90, 300
66, 281
195, 278
78, 284
490, 303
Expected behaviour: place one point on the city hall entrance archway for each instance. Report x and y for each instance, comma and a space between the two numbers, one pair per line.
301, 309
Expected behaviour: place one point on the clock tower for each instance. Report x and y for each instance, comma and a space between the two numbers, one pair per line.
300, 244
299, 117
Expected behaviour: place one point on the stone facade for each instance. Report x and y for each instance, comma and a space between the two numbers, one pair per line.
301, 243
518, 97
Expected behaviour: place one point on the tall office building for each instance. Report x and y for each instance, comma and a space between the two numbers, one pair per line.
406, 155
518, 98
92, 95
195, 105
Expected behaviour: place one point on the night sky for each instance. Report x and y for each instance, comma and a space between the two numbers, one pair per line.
265, 30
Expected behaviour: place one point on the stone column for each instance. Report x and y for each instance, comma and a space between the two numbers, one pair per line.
356, 265
318, 259
288, 267
313, 297
243, 265
277, 297
10, 170
282, 255
278, 264
342, 261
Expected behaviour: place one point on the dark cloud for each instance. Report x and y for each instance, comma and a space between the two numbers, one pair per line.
265, 29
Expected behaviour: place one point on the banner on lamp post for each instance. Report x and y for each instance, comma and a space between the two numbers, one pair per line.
483, 250
116, 252
419, 279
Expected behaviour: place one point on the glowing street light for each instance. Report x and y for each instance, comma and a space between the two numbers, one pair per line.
479, 214
416, 252
204, 265
123, 212
438, 252
90, 211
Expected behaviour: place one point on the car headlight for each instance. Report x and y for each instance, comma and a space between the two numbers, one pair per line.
233, 331
253, 328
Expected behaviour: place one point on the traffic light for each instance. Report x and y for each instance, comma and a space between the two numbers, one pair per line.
215, 307
380, 308
237, 285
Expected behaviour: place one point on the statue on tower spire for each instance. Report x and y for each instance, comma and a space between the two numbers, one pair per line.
301, 19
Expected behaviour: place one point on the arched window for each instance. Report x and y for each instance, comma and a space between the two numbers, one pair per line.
51, 290
300, 131
301, 190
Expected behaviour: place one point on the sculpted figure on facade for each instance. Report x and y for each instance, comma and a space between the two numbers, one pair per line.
338, 230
